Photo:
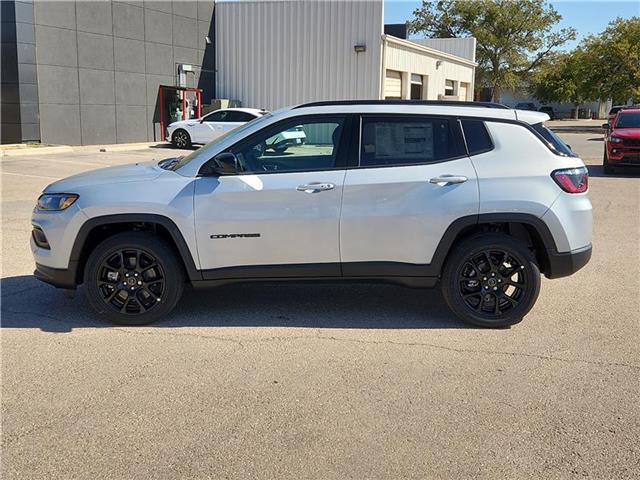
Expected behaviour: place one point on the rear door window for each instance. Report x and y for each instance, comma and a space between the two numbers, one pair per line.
407, 140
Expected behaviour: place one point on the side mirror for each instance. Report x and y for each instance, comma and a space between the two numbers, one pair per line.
605, 126
225, 163
568, 146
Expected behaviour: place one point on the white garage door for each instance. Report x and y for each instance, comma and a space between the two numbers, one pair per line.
393, 85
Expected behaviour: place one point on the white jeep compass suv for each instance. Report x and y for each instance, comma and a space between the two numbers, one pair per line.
475, 197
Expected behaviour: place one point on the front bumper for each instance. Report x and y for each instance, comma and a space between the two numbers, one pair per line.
565, 264
621, 156
58, 277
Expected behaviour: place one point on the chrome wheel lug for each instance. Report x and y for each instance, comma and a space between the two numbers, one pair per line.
139, 282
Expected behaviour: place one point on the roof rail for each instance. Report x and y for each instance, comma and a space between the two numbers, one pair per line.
448, 103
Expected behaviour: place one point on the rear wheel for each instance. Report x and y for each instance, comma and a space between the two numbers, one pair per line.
181, 138
491, 280
133, 278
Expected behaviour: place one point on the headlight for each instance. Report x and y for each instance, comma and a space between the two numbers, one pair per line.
613, 139
56, 201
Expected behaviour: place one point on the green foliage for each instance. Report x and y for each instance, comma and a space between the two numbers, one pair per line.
602, 67
514, 37
613, 60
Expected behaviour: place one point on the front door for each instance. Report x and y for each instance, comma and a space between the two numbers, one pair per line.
413, 180
279, 217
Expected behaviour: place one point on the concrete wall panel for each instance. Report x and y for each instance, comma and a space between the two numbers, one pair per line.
131, 123
129, 55
185, 8
56, 46
131, 89
96, 87
58, 85
159, 59
185, 32
94, 17
60, 124
98, 124
95, 51
55, 14
157, 26
128, 21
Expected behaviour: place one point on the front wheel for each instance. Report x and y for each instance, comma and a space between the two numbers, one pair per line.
181, 138
133, 278
491, 280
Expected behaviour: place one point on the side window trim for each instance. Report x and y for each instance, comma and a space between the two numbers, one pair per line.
455, 129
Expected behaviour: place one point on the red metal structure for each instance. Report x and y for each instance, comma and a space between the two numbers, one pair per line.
185, 91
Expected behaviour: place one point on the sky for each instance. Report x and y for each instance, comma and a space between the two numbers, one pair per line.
586, 16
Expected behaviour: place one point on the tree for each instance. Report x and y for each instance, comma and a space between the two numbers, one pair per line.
564, 78
614, 61
513, 37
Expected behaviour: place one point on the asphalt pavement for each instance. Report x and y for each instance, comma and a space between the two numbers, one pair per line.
322, 381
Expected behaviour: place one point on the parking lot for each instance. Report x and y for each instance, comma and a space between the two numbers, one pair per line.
323, 381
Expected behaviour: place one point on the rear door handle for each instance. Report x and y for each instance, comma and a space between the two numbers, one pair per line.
315, 187
448, 179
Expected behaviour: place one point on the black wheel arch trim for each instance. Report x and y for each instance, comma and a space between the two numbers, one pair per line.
183, 249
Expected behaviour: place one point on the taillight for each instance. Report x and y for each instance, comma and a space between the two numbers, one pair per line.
572, 180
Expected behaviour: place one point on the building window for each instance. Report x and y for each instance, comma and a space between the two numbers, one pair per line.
417, 86
449, 87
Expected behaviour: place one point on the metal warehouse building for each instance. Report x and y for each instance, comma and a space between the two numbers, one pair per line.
273, 54
87, 72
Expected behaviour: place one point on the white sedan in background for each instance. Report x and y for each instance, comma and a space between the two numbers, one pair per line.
202, 130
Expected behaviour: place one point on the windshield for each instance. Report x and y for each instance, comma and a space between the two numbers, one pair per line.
628, 120
553, 140
211, 146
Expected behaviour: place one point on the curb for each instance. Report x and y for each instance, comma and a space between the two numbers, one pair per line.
120, 147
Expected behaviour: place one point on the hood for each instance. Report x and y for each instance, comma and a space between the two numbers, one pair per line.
135, 172
626, 132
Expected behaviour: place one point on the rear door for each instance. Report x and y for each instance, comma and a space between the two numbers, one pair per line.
413, 180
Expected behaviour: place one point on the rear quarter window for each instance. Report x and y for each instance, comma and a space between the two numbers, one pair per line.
553, 141
476, 136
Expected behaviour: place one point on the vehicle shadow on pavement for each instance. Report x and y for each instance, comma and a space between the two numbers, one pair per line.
28, 303
628, 172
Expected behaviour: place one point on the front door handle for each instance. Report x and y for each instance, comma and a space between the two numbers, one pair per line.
448, 179
315, 187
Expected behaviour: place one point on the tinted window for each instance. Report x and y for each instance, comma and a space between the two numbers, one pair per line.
239, 117
295, 145
217, 116
477, 137
553, 140
406, 141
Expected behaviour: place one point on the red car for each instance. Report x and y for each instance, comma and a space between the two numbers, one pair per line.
622, 142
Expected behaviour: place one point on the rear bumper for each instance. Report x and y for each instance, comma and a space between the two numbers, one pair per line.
565, 264
58, 277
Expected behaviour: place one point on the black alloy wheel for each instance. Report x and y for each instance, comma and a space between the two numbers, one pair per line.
133, 278
181, 139
131, 281
491, 280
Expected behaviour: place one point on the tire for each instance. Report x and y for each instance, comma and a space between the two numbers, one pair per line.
608, 169
138, 263
492, 295
181, 139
